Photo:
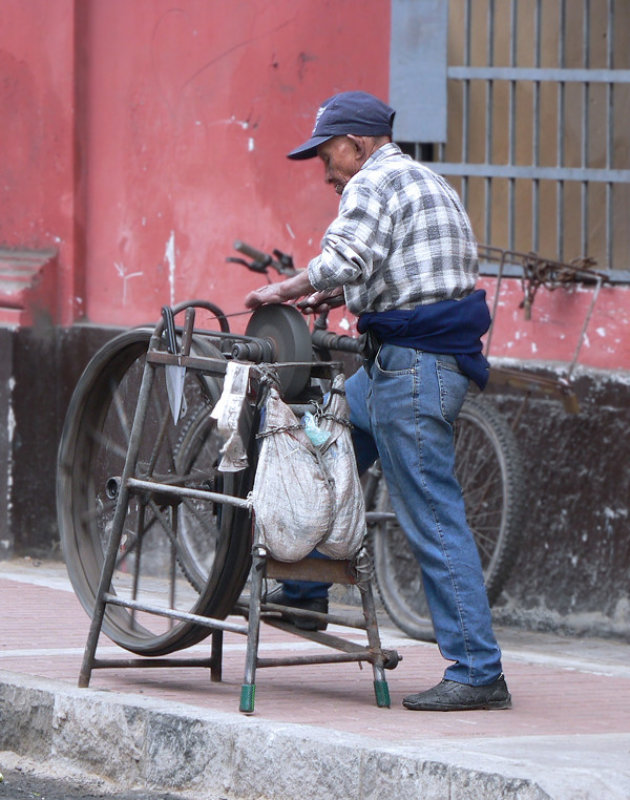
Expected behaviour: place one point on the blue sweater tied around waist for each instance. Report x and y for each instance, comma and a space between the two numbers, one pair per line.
449, 327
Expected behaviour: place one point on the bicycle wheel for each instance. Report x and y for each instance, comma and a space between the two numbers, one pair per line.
162, 537
490, 470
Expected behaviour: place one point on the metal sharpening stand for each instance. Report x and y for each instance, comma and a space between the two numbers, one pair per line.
343, 572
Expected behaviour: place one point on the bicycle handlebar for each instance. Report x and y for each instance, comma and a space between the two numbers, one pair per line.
281, 262
251, 252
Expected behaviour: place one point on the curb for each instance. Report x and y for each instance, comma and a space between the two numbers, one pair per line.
146, 743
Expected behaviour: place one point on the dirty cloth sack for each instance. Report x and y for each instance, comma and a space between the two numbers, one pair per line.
308, 496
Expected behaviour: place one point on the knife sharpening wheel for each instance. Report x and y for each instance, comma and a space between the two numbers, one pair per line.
290, 338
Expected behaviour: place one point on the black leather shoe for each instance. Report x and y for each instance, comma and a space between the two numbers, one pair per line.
319, 604
453, 696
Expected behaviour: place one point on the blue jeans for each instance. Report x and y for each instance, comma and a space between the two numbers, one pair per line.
403, 405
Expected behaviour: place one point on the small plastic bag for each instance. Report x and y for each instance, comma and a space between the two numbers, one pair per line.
313, 431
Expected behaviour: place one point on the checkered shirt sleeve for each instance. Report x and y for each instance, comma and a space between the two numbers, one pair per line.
401, 238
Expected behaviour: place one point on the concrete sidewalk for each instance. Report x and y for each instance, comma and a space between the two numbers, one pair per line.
317, 732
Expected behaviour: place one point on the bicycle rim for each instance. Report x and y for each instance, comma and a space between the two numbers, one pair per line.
153, 561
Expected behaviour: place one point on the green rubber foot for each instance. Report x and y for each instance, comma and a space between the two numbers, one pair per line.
381, 690
248, 692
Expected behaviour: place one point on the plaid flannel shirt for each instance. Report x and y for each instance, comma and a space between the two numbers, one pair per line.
401, 239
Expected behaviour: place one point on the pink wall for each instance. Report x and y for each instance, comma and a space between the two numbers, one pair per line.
141, 139
144, 151
191, 111
560, 320
38, 180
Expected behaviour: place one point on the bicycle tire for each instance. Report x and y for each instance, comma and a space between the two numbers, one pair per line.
198, 553
91, 456
490, 469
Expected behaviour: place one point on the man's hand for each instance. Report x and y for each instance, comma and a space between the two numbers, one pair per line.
280, 292
322, 301
265, 295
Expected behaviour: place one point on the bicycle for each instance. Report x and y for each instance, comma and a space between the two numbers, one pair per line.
186, 549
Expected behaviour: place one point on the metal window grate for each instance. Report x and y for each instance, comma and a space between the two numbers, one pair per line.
539, 124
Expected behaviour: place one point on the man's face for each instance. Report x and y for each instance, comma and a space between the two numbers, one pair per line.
341, 160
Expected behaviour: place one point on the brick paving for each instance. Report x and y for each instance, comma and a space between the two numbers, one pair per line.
560, 686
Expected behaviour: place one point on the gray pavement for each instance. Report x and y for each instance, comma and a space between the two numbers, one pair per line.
30, 782
317, 732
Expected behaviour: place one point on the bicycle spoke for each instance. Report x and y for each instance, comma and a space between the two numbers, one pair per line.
121, 412
97, 437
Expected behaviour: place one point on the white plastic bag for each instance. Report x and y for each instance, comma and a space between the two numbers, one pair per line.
233, 416
308, 496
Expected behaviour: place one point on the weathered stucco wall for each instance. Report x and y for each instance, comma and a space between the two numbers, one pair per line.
573, 571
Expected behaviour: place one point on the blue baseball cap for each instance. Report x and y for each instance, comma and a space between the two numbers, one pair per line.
348, 112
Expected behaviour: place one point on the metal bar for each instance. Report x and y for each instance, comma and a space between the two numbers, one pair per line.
183, 491
610, 138
534, 172
536, 130
324, 658
113, 543
512, 125
137, 663
170, 530
489, 124
140, 523
257, 574
617, 277
371, 627
326, 639
539, 74
345, 620
372, 517
173, 518
582, 335
216, 656
466, 100
585, 127
560, 132
213, 366
185, 616
497, 290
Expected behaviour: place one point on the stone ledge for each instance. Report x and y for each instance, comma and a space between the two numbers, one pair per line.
28, 285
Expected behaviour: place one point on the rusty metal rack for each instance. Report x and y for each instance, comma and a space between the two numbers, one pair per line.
535, 272
160, 498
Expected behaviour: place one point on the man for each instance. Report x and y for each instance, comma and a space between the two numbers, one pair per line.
402, 252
